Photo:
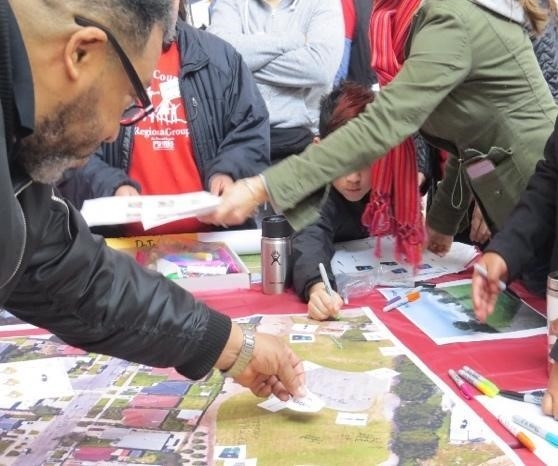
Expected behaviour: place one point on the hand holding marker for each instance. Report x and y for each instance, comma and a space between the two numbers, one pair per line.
483, 273
325, 279
327, 283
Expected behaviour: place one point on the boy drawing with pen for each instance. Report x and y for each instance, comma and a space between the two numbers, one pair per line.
340, 216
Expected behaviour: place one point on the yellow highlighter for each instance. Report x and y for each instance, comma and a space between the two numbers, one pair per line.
479, 384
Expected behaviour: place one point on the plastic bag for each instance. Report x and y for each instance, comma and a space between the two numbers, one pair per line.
358, 284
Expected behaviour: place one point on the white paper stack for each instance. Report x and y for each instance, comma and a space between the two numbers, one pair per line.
151, 211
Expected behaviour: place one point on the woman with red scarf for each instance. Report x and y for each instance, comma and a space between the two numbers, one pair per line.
464, 73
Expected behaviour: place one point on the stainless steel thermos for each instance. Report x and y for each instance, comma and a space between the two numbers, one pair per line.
276, 253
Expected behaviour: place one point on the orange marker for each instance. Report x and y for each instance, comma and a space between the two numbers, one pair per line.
513, 429
408, 298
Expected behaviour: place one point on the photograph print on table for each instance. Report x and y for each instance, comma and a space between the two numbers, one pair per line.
446, 315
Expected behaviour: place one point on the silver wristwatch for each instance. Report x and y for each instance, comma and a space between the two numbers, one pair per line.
245, 355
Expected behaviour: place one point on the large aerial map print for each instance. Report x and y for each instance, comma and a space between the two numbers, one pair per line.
381, 406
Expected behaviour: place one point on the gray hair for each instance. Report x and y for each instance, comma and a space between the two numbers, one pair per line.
130, 20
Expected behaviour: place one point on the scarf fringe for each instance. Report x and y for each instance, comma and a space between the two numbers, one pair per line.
378, 215
409, 244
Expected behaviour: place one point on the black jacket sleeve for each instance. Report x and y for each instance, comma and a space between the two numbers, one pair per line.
95, 179
244, 149
340, 220
98, 299
546, 51
310, 246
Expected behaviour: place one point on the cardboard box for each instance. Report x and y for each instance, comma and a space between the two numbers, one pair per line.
229, 281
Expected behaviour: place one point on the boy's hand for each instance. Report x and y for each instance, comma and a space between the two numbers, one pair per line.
322, 306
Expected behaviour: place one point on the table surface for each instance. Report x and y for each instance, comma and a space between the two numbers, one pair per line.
516, 364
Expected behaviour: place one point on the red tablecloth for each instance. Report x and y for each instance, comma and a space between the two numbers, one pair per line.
515, 364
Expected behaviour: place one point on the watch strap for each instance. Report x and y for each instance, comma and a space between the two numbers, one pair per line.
245, 354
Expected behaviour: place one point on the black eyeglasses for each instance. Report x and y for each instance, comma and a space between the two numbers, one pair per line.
143, 106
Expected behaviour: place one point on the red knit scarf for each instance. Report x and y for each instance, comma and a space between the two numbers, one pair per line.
394, 207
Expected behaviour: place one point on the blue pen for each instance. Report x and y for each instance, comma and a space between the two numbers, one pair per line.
536, 429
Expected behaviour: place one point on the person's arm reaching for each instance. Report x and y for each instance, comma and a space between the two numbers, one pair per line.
272, 368
550, 400
398, 111
485, 290
310, 247
101, 300
532, 223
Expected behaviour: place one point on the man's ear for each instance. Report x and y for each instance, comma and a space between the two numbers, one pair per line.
85, 52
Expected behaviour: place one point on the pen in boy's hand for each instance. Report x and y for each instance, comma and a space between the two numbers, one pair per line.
482, 272
327, 283
325, 279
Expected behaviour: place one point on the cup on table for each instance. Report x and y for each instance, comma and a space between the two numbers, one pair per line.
276, 253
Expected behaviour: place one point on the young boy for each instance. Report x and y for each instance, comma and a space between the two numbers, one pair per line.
340, 216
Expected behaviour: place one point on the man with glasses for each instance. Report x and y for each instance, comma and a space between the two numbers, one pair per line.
70, 72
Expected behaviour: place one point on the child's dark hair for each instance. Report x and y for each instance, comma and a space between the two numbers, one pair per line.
343, 103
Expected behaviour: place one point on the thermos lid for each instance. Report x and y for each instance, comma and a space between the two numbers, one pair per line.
552, 281
276, 226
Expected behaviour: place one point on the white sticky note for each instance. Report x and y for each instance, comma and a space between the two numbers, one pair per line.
352, 419
309, 403
391, 351
272, 404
